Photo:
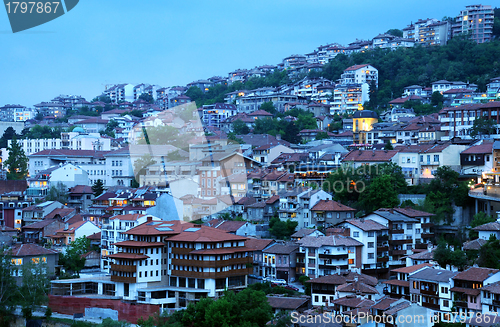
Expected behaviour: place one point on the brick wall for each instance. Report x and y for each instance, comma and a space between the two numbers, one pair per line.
126, 311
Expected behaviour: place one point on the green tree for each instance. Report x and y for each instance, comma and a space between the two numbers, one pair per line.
58, 192
489, 254
98, 187
142, 163
110, 128
147, 97
34, 290
38, 116
8, 288
442, 254
437, 99
395, 32
381, 193
291, 133
269, 107
282, 229
388, 145
483, 126
72, 259
17, 162
479, 219
322, 136
240, 128
8, 134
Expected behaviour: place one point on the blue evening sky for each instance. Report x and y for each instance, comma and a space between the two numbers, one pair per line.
168, 42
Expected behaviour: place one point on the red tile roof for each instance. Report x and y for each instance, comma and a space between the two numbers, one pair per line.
366, 224
205, 234
486, 147
139, 244
476, 274
257, 244
128, 217
370, 156
131, 256
410, 269
330, 205
413, 213
22, 250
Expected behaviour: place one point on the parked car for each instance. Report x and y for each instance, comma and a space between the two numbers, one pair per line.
280, 282
292, 288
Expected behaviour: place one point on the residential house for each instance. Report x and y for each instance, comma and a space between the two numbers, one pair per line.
400, 287
466, 291
288, 304
64, 236
24, 254
257, 246
322, 255
327, 213
477, 159
430, 288
303, 232
80, 196
37, 212
280, 261
265, 154
68, 175
375, 252
488, 230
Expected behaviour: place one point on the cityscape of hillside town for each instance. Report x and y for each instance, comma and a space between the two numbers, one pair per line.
355, 185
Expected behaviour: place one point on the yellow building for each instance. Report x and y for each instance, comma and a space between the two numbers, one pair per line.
362, 121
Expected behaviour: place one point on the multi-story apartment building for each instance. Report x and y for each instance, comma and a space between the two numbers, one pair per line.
70, 141
120, 92
22, 114
430, 288
112, 232
296, 205
359, 74
375, 252
214, 114
428, 32
52, 109
7, 112
466, 290
475, 21
404, 234
400, 287
280, 261
324, 255
257, 246
457, 121
173, 263
490, 298
349, 98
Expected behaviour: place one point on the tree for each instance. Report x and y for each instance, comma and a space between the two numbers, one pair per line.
282, 229
34, 290
269, 107
482, 126
388, 145
98, 187
322, 136
444, 256
489, 254
58, 193
479, 219
380, 194
240, 128
110, 128
395, 32
8, 134
8, 288
437, 98
38, 116
73, 259
147, 97
142, 163
17, 162
291, 133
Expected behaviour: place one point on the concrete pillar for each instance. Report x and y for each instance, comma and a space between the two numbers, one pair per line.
488, 210
70, 289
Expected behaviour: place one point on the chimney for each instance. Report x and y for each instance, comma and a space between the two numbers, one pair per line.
149, 219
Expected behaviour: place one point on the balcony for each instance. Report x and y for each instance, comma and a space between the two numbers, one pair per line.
427, 235
430, 305
496, 303
460, 304
427, 225
124, 268
421, 246
427, 292
382, 248
398, 252
222, 274
211, 264
396, 231
333, 256
399, 242
383, 259
130, 280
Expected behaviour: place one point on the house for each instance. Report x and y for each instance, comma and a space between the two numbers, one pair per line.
265, 154
327, 213
358, 158
357, 288
324, 289
38, 212
359, 74
64, 236
280, 261
485, 231
80, 196
466, 291
25, 254
322, 255
257, 246
39, 231
400, 287
375, 252
430, 288
68, 175
303, 232
287, 304
477, 159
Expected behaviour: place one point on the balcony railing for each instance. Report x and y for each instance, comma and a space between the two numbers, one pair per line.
396, 231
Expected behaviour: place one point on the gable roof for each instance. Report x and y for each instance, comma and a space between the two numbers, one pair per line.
257, 244
330, 205
366, 224
476, 274
493, 227
286, 303
370, 156
29, 249
410, 269
433, 274
332, 240
282, 248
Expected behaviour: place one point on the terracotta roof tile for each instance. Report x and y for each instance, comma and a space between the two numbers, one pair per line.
330, 205
474, 274
28, 249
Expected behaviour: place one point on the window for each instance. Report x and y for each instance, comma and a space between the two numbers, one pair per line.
409, 226
371, 245
371, 255
355, 234
417, 231
436, 157
371, 234
446, 303
444, 290
350, 261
